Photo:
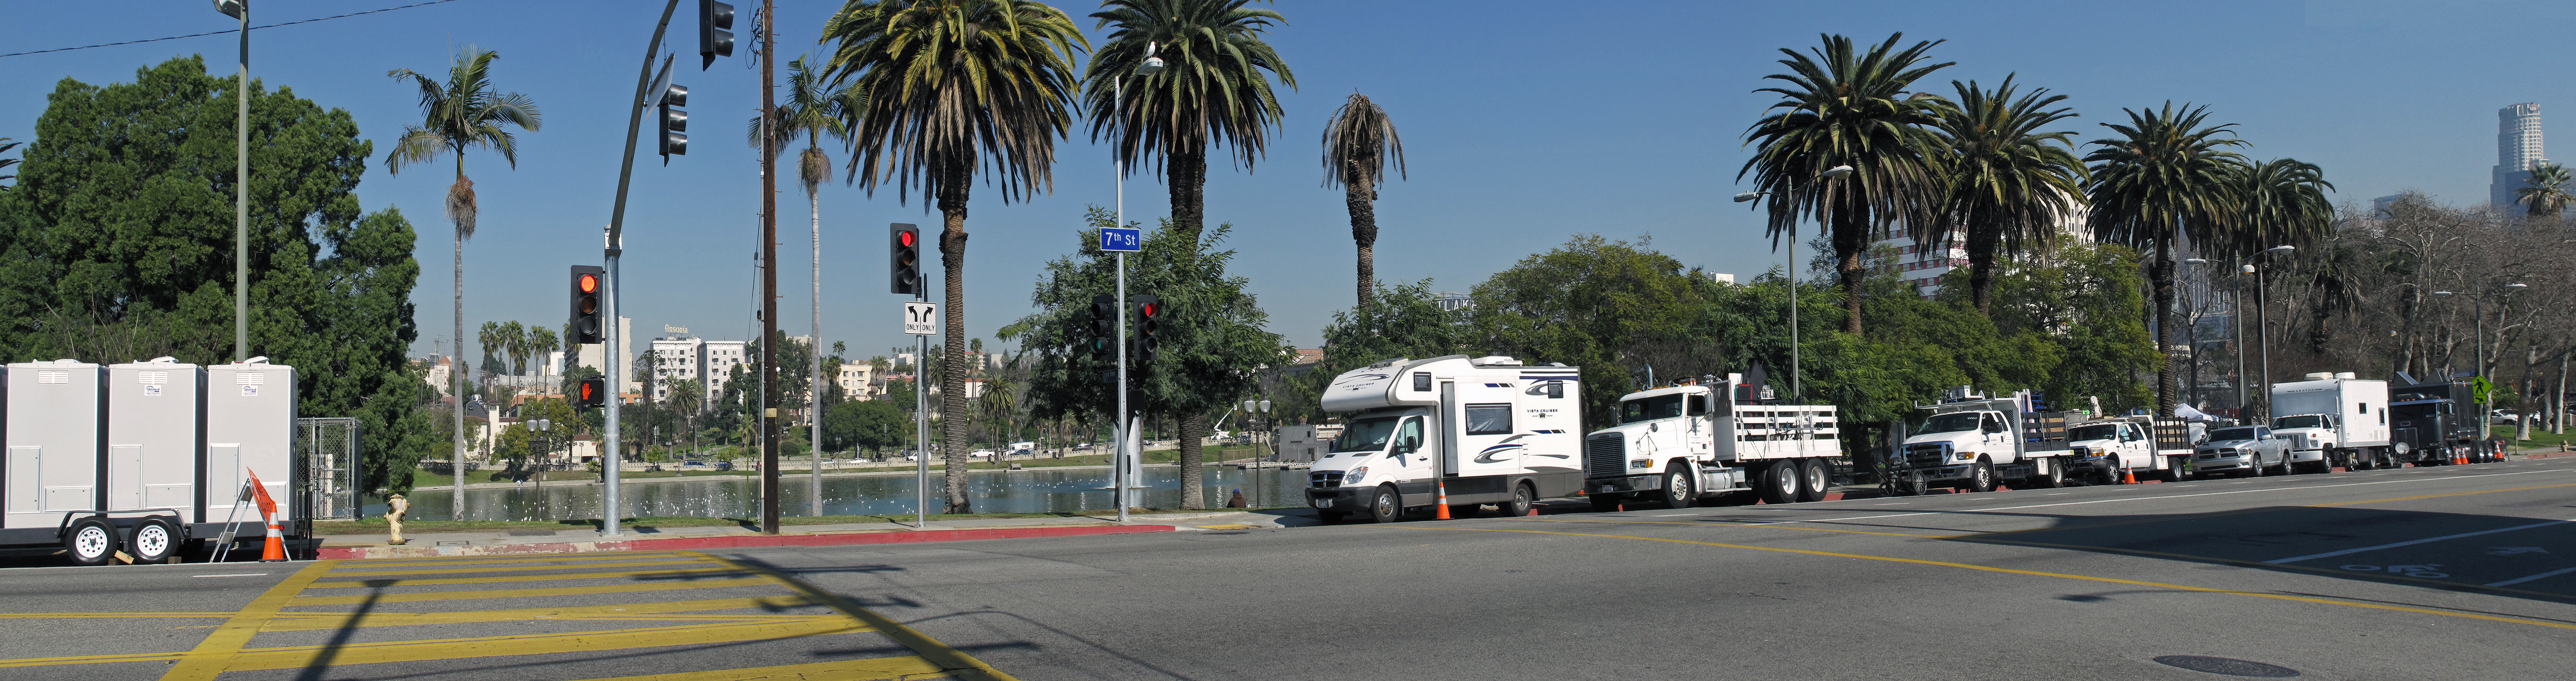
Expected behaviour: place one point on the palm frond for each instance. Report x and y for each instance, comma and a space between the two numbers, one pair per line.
1360, 143
1212, 92
953, 85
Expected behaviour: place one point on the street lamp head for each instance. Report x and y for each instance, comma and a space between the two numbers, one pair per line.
2444, 293
2195, 261
1152, 63
2517, 286
1834, 172
2281, 249
231, 8
1748, 196
2245, 269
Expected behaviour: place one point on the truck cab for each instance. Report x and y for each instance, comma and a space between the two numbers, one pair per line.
1448, 430
2312, 437
2107, 447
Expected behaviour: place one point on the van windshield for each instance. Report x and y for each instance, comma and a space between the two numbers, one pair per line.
1365, 435
1650, 409
2102, 431
2308, 421
1952, 422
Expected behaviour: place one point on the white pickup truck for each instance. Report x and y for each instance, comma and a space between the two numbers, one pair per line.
2106, 451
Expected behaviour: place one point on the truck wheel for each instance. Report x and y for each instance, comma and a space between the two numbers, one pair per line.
1981, 479
154, 540
2111, 473
1780, 482
91, 541
1680, 486
1329, 517
1386, 507
1519, 505
2053, 479
2173, 469
1813, 480
1606, 502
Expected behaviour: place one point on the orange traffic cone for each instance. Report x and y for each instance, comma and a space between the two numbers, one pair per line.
275, 548
1441, 511
2128, 476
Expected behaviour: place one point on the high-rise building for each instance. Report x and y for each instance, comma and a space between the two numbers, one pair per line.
2517, 150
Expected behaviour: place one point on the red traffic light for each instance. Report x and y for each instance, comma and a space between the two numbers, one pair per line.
1152, 308
589, 283
906, 238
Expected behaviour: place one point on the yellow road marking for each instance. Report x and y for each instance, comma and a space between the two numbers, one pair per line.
335, 620
210, 655
522, 593
2036, 573
294, 657
906, 668
97, 615
1228, 526
88, 659
2117, 523
521, 578
1767, 527
437, 570
2271, 566
518, 558
950, 660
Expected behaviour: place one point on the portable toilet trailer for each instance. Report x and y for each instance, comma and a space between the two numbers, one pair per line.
56, 435
250, 430
156, 454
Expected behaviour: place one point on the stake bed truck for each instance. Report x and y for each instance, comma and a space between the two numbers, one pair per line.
1683, 443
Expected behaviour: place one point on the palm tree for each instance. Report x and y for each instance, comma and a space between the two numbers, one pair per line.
2277, 202
1359, 143
514, 344
494, 344
1843, 107
2160, 187
463, 112
2010, 185
953, 85
2546, 193
542, 343
1213, 90
812, 111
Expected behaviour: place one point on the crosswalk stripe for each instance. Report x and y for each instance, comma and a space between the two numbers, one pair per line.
333, 620
523, 578
906, 668
296, 657
523, 593
423, 570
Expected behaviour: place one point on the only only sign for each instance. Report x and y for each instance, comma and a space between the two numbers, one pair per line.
920, 318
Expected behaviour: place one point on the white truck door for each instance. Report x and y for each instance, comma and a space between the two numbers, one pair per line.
1417, 463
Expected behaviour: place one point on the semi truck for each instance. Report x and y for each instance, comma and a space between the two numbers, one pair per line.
146, 460
2333, 419
2108, 451
2431, 422
1976, 442
1482, 430
1684, 443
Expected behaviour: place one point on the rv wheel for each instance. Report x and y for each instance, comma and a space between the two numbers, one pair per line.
154, 540
91, 541
1519, 505
1815, 479
2111, 473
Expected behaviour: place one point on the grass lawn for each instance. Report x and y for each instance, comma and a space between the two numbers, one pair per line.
377, 525
2540, 439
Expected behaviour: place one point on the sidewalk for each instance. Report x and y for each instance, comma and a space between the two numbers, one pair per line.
373, 547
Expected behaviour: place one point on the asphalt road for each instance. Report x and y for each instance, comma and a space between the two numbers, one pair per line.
2440, 573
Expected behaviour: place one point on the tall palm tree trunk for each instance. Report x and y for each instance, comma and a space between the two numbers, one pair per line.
1851, 243
2162, 275
456, 375
1187, 172
1363, 231
814, 355
952, 382
1193, 473
1981, 272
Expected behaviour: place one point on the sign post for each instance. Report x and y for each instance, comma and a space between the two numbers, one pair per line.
1122, 240
921, 318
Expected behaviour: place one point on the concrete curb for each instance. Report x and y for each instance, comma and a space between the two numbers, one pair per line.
728, 542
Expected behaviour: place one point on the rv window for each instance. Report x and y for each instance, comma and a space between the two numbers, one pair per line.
2365, 408
1951, 422
2304, 421
1489, 419
2102, 431
1422, 380
1365, 435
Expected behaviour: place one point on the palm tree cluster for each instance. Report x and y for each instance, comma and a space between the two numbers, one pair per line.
1856, 147
516, 349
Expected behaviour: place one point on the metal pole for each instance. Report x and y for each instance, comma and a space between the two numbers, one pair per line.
610, 505
921, 419
768, 279
1118, 459
241, 208
1796, 392
2484, 426
814, 369
2236, 324
2263, 338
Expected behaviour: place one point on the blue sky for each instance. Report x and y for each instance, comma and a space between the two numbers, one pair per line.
1524, 123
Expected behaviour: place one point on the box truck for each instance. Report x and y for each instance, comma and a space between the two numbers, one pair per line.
2331, 420
1484, 430
1682, 443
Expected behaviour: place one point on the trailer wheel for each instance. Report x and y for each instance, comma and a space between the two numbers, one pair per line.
1981, 478
91, 541
1780, 482
1519, 505
1680, 486
154, 540
1813, 482
1386, 506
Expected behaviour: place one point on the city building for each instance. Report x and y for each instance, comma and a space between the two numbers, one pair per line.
1720, 277
2517, 150
685, 358
1921, 265
859, 381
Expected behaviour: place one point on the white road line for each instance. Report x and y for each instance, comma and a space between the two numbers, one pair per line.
1675, 515
244, 574
2413, 542
2057, 494
1894, 504
2168, 496
2552, 573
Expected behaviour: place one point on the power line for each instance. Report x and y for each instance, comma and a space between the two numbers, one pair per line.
201, 35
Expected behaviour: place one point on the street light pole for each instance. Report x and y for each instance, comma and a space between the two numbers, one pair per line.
1125, 431
2263, 330
611, 504
240, 9
1797, 391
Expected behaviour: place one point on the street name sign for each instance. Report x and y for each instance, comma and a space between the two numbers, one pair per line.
1122, 239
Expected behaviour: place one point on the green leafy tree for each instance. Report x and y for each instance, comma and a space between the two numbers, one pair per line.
873, 424
2010, 183
954, 84
5, 146
1359, 144
1846, 107
2088, 300
2158, 187
146, 167
2545, 192
1212, 91
1592, 303
1401, 320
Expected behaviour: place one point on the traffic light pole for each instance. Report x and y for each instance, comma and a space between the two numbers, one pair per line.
611, 507
1118, 463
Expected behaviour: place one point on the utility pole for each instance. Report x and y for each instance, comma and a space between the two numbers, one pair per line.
768, 274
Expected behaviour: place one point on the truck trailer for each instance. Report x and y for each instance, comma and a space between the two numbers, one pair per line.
2333, 419
1976, 442
1484, 430
1683, 443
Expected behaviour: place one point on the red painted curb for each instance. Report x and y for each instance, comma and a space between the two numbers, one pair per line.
734, 542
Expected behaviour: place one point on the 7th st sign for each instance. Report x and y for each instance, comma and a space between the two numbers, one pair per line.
920, 318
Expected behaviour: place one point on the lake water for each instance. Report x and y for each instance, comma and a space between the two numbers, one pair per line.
992, 491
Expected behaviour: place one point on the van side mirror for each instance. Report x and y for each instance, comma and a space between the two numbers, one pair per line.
1412, 443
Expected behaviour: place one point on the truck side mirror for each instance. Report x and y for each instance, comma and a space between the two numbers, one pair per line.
1412, 443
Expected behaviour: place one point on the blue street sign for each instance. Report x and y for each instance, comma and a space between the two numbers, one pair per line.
1122, 239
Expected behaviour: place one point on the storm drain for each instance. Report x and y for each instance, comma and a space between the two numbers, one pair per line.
2227, 666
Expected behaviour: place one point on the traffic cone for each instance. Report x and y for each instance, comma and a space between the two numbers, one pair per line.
275, 548
1441, 511
2128, 476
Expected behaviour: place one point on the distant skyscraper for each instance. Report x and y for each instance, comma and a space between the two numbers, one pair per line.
2517, 150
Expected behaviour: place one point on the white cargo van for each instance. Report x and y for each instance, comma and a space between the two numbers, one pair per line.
2332, 420
1488, 429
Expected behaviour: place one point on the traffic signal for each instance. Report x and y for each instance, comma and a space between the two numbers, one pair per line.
1103, 343
590, 392
1149, 313
674, 122
713, 40
586, 284
903, 249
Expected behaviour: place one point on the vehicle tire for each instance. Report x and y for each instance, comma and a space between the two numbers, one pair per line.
2053, 479
1680, 486
1814, 480
1606, 502
1981, 479
153, 540
2173, 470
90, 541
2111, 473
1386, 506
1520, 503
1328, 517
1780, 482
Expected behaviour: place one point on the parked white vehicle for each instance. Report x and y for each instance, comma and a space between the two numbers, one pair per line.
1682, 443
1488, 430
1976, 442
2107, 451
2333, 420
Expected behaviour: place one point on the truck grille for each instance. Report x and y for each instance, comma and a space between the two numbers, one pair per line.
1325, 479
1927, 454
1605, 455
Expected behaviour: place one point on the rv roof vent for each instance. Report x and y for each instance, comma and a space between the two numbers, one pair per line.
2319, 376
2345, 375
1495, 361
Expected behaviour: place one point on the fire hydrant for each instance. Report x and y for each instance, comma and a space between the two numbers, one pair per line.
396, 505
